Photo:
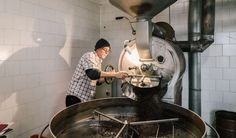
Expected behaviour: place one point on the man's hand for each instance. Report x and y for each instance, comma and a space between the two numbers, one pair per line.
121, 74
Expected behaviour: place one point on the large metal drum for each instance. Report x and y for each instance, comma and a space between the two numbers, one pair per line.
121, 118
165, 68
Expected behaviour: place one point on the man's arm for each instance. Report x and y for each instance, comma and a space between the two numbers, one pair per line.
118, 74
95, 74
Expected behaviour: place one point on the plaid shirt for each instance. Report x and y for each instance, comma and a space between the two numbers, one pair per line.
81, 85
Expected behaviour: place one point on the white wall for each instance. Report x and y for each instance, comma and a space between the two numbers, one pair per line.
218, 64
42, 40
40, 44
218, 61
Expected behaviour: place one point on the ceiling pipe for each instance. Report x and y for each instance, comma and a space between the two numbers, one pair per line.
203, 39
201, 36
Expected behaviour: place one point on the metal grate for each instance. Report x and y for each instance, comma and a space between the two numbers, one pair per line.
131, 129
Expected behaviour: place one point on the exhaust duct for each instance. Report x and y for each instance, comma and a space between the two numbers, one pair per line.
201, 26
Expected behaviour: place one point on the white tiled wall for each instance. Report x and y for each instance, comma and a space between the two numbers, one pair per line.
218, 61
40, 44
223, 73
42, 40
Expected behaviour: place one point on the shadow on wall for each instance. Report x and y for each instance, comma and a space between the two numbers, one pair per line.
34, 79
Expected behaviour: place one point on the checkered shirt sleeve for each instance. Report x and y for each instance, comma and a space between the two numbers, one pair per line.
81, 85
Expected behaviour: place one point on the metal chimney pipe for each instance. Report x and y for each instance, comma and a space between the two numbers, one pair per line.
201, 36
195, 82
208, 21
195, 8
207, 27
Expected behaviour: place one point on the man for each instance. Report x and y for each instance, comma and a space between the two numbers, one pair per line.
88, 73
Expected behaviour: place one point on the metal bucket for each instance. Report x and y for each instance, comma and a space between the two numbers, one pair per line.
80, 121
226, 124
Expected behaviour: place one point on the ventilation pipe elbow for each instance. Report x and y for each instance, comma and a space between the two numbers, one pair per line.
201, 39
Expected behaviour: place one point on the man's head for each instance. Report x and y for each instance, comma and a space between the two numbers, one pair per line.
102, 48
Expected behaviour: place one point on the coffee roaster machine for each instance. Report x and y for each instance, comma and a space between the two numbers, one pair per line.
152, 90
